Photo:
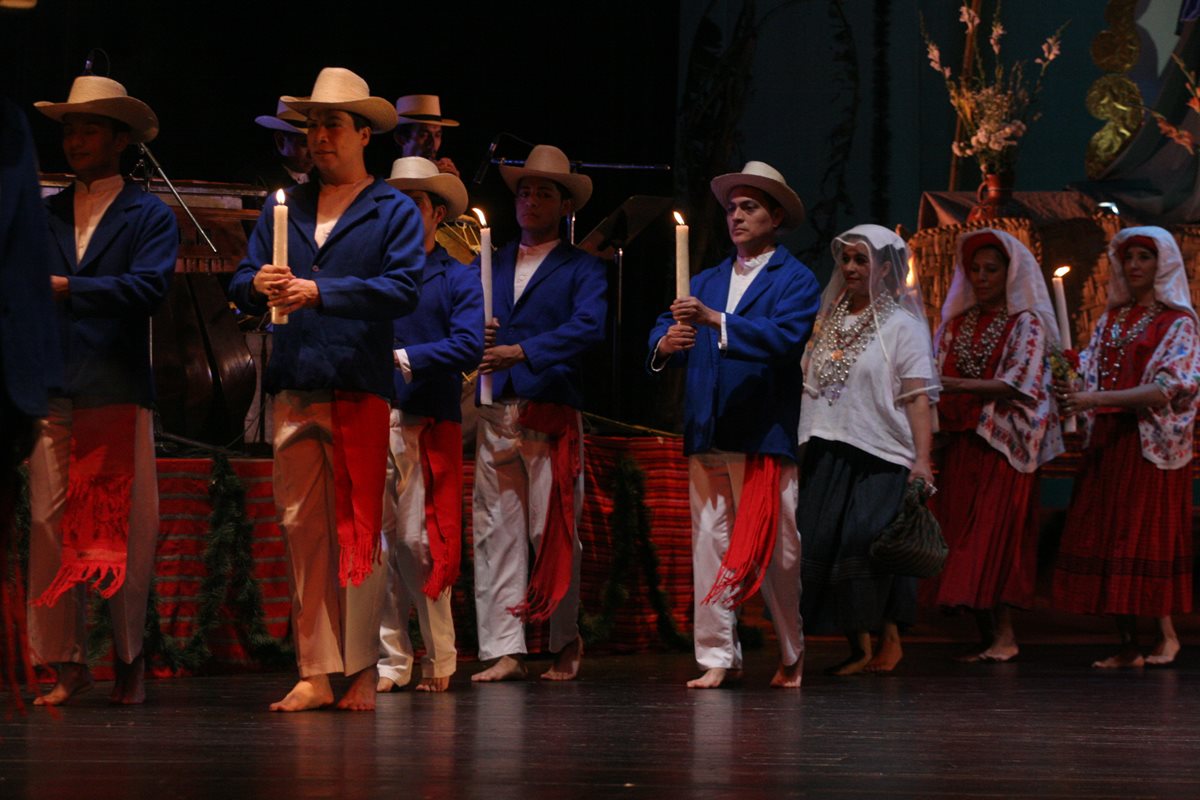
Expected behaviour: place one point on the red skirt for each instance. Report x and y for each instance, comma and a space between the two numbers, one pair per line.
1127, 545
988, 513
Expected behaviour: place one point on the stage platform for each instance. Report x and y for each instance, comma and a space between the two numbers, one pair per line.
1044, 726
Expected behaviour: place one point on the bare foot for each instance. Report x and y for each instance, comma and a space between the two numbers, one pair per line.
1164, 653
999, 653
506, 668
432, 684
129, 686
715, 678
386, 685
73, 679
361, 694
306, 695
1126, 659
788, 677
566, 663
970, 657
887, 656
851, 666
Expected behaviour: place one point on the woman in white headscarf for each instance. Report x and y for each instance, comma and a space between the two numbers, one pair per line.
998, 422
1127, 547
865, 426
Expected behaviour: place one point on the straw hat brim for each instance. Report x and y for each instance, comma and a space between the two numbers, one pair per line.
378, 112
276, 124
142, 122
426, 119
579, 186
444, 185
793, 207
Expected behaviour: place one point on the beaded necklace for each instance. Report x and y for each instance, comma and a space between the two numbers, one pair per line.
1116, 338
969, 359
837, 347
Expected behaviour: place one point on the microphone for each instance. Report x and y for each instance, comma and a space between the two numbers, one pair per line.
481, 172
87, 64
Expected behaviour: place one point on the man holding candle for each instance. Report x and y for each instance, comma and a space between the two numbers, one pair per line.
422, 505
92, 478
354, 247
549, 307
739, 333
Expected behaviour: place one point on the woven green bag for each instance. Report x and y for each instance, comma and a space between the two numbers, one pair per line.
912, 543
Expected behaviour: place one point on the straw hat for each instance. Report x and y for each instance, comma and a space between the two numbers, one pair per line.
92, 94
768, 179
547, 161
284, 120
417, 173
426, 108
342, 90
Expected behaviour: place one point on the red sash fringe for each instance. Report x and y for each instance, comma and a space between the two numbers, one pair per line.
754, 533
551, 575
95, 523
441, 468
360, 441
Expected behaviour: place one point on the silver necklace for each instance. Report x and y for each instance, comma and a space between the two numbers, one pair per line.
837, 347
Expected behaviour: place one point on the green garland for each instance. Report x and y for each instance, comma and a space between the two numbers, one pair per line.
630, 523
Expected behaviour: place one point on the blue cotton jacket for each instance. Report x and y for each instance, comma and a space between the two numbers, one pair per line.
104, 325
560, 315
368, 273
443, 338
746, 399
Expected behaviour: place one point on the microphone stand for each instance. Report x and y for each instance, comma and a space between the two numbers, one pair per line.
149, 163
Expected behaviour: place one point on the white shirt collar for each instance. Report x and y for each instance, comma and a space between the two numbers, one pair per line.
745, 265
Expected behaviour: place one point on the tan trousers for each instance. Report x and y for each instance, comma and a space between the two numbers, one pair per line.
512, 490
714, 488
336, 628
406, 553
59, 633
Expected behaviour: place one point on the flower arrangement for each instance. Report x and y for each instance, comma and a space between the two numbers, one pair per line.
994, 106
1064, 365
1181, 137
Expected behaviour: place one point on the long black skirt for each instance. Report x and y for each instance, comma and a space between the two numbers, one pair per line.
847, 497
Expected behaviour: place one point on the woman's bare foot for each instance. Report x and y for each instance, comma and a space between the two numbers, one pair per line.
385, 685
506, 668
73, 680
972, 656
1126, 659
129, 686
889, 652
566, 662
432, 684
851, 666
306, 695
789, 676
715, 678
998, 654
361, 694
1164, 652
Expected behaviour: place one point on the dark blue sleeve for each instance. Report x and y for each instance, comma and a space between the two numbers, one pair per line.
783, 334
584, 329
258, 252
462, 349
143, 287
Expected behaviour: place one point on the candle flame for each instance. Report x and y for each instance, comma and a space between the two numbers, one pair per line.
910, 280
1058, 273
482, 219
280, 197
678, 218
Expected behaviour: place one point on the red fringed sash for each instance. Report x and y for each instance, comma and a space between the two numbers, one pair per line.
95, 523
360, 444
441, 468
754, 533
551, 575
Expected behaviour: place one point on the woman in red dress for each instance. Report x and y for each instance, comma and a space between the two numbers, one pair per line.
1127, 547
998, 424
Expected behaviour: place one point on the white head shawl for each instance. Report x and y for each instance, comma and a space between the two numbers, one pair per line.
1170, 279
1025, 286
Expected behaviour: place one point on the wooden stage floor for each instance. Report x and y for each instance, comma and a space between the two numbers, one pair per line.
1045, 726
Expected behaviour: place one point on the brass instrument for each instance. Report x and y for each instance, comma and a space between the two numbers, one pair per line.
460, 237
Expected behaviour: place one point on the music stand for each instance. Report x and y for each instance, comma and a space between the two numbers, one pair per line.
607, 241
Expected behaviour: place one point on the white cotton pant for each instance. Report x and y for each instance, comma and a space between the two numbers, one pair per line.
59, 633
714, 489
512, 489
408, 560
336, 628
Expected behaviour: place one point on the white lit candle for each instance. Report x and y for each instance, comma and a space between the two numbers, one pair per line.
280, 255
1064, 326
485, 276
683, 270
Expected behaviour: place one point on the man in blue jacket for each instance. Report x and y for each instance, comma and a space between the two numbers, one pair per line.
354, 263
740, 335
92, 478
549, 308
422, 505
